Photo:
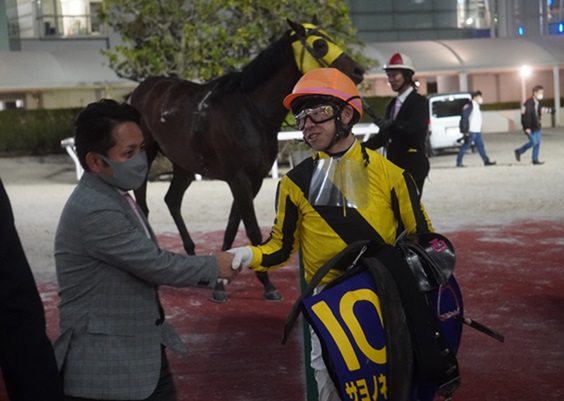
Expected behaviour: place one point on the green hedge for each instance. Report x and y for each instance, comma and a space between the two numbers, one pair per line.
35, 132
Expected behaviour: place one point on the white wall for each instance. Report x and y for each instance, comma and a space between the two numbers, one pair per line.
508, 120
61, 99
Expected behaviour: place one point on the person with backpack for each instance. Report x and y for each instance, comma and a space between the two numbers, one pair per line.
531, 121
471, 128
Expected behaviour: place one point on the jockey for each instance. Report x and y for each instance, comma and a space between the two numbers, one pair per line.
343, 193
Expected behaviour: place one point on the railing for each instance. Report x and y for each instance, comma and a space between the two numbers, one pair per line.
360, 129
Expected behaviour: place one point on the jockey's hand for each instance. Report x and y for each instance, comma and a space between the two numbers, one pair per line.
242, 257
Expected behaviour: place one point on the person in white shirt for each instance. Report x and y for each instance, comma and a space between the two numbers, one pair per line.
471, 127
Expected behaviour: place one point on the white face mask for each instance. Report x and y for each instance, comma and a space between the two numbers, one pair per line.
480, 100
540, 96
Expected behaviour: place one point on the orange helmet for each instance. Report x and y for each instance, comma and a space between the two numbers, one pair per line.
326, 82
400, 61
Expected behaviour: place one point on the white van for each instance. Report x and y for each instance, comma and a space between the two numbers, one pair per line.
444, 121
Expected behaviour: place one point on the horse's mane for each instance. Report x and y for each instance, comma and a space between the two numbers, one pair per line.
260, 68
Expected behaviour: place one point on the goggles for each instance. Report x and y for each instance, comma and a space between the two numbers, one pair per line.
318, 115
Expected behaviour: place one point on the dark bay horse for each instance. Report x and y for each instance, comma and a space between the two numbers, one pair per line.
227, 129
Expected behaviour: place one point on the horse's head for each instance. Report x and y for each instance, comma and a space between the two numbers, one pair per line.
314, 48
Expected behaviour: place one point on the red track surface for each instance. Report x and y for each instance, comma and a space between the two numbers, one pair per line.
512, 278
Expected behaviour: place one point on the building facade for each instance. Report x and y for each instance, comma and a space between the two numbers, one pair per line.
408, 20
50, 55
443, 36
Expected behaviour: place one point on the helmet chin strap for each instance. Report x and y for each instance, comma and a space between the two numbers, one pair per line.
340, 130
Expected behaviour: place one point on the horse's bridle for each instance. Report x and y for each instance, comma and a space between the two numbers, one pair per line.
307, 47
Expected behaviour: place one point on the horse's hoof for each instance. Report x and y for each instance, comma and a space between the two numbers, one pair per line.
273, 296
219, 297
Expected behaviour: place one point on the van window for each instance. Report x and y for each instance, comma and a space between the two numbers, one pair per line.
448, 108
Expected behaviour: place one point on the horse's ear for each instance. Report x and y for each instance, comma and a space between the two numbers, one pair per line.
298, 28
314, 20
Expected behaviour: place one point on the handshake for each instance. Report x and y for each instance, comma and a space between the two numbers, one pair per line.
242, 257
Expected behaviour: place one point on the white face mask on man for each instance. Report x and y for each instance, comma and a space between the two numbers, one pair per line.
539, 96
128, 174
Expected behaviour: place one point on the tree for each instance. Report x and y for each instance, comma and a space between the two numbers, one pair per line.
204, 39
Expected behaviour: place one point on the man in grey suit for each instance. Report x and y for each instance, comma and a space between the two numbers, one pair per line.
109, 266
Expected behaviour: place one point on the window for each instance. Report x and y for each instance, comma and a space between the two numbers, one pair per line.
448, 108
11, 103
69, 18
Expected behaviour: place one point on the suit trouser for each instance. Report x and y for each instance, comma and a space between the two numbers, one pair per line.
165, 390
27, 360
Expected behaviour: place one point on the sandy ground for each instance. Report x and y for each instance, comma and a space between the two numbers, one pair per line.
474, 196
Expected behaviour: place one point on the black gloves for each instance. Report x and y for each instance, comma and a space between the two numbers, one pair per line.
382, 123
464, 138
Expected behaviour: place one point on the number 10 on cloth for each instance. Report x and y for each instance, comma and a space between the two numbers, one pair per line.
348, 320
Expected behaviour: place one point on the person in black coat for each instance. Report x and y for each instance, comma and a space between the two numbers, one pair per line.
403, 131
27, 360
531, 113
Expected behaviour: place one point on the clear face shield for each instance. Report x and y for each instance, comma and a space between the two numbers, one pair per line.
339, 182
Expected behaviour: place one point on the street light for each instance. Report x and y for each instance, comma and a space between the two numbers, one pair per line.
524, 73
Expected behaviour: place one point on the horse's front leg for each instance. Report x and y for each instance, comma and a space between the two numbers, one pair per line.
181, 180
141, 198
271, 293
232, 227
244, 192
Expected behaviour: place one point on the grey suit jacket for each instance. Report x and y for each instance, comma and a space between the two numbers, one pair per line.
111, 320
